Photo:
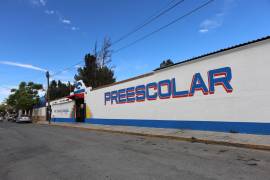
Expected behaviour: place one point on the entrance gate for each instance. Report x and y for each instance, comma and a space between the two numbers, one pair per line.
80, 111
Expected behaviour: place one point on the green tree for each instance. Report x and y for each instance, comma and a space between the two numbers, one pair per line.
93, 74
25, 97
3, 109
166, 63
97, 70
59, 89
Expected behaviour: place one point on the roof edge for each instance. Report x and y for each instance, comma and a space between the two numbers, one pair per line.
185, 61
216, 52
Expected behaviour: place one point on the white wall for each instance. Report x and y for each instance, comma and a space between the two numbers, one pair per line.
248, 102
62, 108
39, 114
39, 111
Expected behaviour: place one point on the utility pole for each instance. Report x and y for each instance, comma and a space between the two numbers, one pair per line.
48, 98
69, 87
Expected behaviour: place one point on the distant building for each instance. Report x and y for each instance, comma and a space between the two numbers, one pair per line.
39, 111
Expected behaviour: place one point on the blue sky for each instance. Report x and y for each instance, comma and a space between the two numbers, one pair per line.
39, 35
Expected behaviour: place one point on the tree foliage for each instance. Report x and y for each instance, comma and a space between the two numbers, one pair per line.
96, 71
94, 75
59, 89
166, 63
25, 97
105, 53
3, 109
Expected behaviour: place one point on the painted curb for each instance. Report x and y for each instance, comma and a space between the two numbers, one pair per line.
188, 139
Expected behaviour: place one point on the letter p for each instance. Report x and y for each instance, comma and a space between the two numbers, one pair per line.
107, 97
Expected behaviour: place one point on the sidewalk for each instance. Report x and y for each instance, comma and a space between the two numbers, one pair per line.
261, 142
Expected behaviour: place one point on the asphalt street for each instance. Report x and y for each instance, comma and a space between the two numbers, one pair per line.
37, 152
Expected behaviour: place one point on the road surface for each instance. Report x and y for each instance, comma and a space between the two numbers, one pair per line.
37, 152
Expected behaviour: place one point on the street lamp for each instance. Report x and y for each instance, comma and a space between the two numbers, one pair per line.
48, 97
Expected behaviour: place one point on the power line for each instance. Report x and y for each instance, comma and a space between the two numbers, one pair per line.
152, 18
147, 35
66, 69
165, 26
149, 20
157, 12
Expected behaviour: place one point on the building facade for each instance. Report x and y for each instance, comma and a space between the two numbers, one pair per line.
223, 91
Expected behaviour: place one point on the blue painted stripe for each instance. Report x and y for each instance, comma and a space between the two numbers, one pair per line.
79, 91
67, 120
220, 126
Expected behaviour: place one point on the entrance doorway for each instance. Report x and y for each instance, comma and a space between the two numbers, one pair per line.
80, 107
80, 110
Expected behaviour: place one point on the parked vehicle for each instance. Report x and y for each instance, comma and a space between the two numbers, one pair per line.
11, 117
23, 118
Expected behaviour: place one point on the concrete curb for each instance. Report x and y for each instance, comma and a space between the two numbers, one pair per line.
188, 139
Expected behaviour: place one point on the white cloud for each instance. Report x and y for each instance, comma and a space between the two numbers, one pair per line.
5, 91
49, 12
42, 2
66, 21
217, 20
203, 30
27, 66
38, 2
77, 66
55, 12
209, 24
73, 28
